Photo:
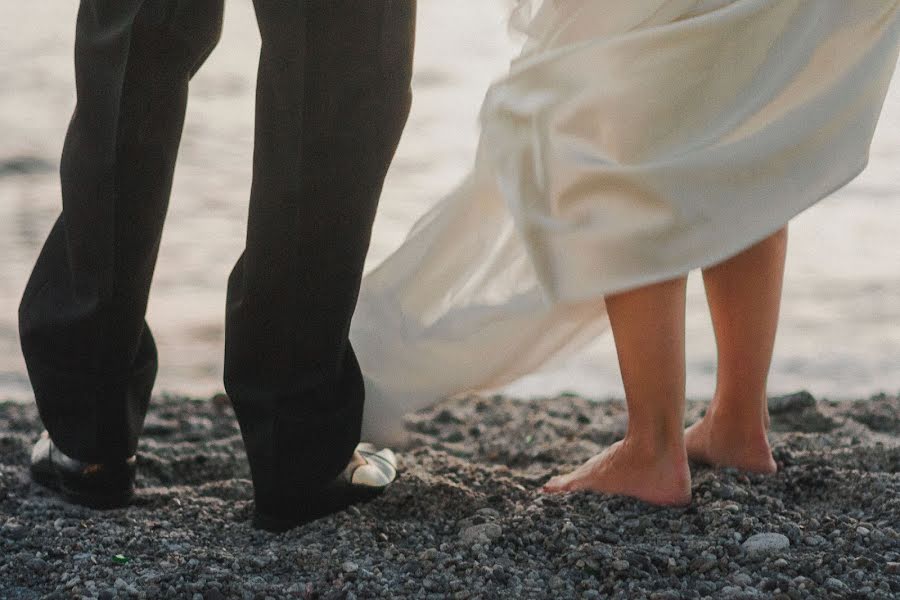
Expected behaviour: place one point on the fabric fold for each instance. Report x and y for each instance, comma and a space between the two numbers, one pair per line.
628, 144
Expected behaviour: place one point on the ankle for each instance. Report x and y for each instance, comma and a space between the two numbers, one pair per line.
732, 399
656, 448
743, 415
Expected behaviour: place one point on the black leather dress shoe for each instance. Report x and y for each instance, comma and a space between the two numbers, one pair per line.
89, 484
367, 475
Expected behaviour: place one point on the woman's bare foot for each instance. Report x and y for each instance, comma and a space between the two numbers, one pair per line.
731, 441
629, 469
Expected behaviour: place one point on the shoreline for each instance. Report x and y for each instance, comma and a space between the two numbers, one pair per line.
465, 520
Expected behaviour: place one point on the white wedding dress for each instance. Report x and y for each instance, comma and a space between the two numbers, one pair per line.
630, 142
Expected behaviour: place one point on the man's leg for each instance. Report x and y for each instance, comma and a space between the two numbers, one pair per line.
332, 100
89, 353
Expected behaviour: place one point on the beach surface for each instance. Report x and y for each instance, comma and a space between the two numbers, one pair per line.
466, 519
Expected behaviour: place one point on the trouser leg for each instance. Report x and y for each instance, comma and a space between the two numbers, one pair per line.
333, 96
89, 353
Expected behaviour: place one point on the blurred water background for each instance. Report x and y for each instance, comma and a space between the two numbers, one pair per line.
840, 330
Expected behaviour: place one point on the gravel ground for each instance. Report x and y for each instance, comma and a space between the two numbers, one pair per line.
465, 519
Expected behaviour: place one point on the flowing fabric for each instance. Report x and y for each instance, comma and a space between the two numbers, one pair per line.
629, 143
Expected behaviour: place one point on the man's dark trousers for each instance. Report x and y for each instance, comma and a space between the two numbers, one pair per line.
333, 94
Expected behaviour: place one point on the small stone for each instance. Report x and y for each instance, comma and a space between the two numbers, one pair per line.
835, 585
350, 567
197, 596
13, 530
481, 534
814, 540
220, 401
620, 565
791, 403
488, 513
863, 531
120, 584
703, 564
892, 568
446, 416
428, 554
742, 579
780, 563
765, 543
37, 564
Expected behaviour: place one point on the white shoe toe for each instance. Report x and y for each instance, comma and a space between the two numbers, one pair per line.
372, 467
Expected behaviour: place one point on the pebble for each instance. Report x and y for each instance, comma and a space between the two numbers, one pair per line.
791, 403
621, 565
13, 530
764, 543
835, 585
464, 522
429, 554
481, 534
37, 564
488, 513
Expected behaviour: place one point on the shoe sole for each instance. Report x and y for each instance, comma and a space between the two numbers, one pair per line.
54, 483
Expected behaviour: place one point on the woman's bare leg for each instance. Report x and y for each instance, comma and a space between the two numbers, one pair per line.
744, 295
650, 463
